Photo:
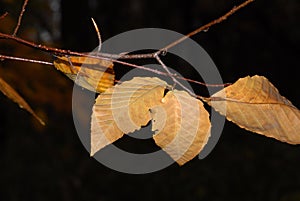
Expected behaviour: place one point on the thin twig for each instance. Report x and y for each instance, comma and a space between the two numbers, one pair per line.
125, 56
172, 76
206, 26
58, 51
115, 57
204, 99
165, 67
20, 17
3, 57
98, 34
3, 15
202, 83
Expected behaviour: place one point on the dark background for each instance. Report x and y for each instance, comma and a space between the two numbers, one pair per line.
50, 163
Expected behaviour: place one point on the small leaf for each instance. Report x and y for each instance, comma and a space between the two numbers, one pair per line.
123, 108
8, 91
182, 126
254, 104
91, 73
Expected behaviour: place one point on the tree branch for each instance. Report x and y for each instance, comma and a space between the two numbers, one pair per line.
20, 18
206, 26
3, 15
125, 56
115, 57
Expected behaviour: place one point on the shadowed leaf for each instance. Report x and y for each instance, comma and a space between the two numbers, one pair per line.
90, 73
8, 91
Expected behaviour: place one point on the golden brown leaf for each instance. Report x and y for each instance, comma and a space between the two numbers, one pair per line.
104, 129
7, 90
94, 74
254, 104
132, 100
123, 108
182, 126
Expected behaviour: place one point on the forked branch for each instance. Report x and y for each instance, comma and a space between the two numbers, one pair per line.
6, 89
115, 57
206, 26
122, 56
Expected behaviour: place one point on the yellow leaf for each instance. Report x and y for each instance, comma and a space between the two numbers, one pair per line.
7, 90
104, 129
254, 104
123, 108
132, 100
91, 73
182, 126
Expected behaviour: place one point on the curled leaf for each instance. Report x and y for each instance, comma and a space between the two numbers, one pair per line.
91, 73
8, 91
182, 126
254, 104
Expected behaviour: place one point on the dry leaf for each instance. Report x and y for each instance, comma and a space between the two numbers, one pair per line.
182, 126
254, 104
104, 129
7, 90
181, 123
123, 108
90, 73
132, 100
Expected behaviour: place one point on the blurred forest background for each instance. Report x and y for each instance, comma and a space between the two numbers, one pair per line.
50, 163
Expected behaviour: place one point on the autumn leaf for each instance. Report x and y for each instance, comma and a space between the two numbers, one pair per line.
8, 91
104, 129
123, 108
90, 73
182, 126
181, 123
254, 104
